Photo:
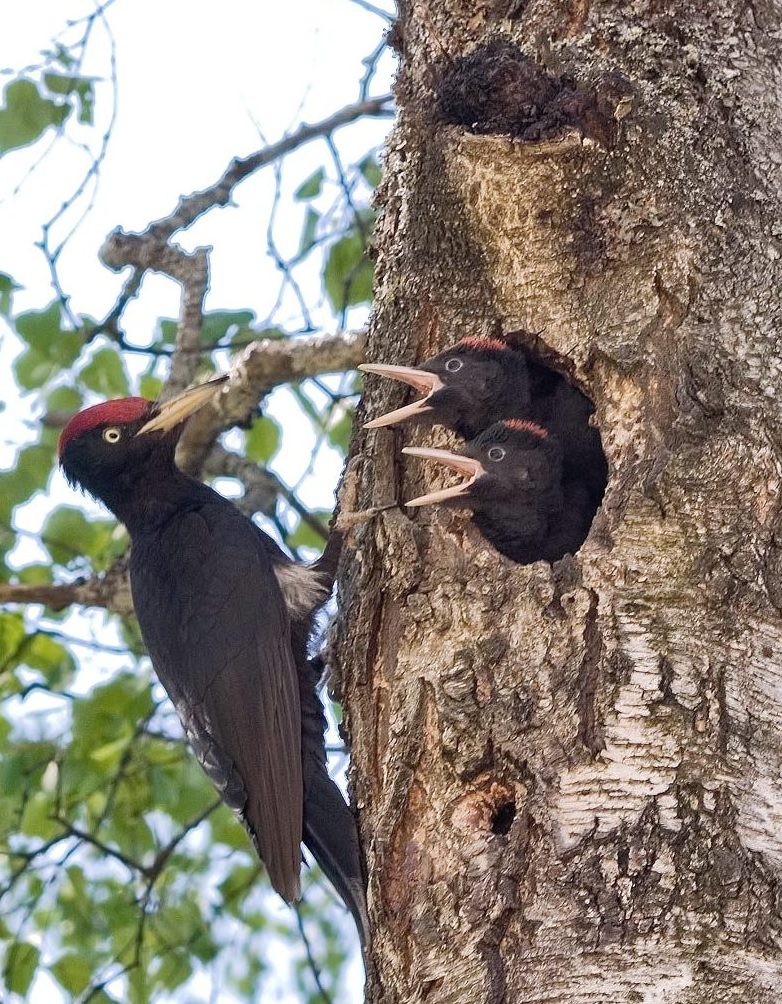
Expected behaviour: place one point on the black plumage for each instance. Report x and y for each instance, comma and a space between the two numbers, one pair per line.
226, 616
480, 381
513, 484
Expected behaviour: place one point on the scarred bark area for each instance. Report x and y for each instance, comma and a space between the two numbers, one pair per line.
570, 778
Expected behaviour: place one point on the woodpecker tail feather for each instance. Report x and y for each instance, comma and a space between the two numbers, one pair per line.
330, 830
330, 833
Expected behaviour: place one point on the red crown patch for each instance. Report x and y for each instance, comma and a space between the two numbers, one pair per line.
521, 425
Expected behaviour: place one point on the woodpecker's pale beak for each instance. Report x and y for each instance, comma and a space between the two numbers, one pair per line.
469, 468
425, 383
171, 414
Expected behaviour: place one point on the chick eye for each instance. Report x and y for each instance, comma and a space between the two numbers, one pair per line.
496, 453
112, 435
454, 365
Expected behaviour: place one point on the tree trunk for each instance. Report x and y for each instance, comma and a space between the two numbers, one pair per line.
570, 777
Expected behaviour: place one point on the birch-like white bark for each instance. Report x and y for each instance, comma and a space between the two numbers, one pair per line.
571, 778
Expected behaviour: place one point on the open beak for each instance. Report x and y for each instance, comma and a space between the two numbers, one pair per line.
171, 414
466, 466
425, 383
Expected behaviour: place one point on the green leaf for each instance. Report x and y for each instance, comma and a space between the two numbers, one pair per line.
72, 972
11, 635
29, 474
50, 657
339, 432
50, 347
21, 961
240, 338
35, 574
106, 374
81, 87
174, 969
311, 187
150, 386
305, 536
370, 170
37, 817
308, 230
262, 440
61, 55
65, 400
348, 273
60, 83
39, 327
219, 323
32, 469
7, 289
33, 370
226, 829
167, 330
27, 115
67, 534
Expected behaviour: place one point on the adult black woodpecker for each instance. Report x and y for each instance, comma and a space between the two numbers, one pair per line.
480, 381
512, 482
226, 616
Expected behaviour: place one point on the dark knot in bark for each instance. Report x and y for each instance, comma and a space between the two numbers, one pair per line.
497, 89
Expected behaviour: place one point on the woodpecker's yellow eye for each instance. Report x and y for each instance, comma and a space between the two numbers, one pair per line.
112, 434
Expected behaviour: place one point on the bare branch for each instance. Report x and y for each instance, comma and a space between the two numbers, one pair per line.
145, 251
192, 206
112, 852
261, 487
111, 591
263, 365
372, 9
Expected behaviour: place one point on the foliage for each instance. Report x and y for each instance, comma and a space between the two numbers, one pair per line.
120, 877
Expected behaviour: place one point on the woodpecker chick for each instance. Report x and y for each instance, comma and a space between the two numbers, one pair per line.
466, 388
512, 482
208, 588
480, 381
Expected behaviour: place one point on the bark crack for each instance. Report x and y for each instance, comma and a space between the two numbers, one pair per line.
590, 732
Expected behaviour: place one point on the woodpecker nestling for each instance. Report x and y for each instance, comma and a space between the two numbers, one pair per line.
513, 483
479, 381
226, 616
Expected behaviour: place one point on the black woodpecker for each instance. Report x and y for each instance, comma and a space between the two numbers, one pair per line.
512, 482
226, 616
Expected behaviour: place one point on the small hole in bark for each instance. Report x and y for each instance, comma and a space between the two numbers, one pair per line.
503, 817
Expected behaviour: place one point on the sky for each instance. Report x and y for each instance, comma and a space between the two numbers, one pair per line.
198, 83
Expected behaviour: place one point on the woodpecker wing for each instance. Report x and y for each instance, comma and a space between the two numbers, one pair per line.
216, 627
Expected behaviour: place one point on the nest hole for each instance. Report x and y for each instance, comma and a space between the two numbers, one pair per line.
502, 818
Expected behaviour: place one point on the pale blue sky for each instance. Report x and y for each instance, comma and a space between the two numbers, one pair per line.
198, 84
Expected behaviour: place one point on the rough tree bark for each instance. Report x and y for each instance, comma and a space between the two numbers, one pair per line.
570, 777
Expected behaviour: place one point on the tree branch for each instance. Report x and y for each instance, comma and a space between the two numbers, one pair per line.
191, 269
111, 591
263, 365
192, 206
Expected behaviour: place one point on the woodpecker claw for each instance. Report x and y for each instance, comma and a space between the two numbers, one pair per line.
468, 467
424, 382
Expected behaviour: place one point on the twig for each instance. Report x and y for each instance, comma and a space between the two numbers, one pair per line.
262, 487
219, 194
112, 852
371, 9
310, 957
